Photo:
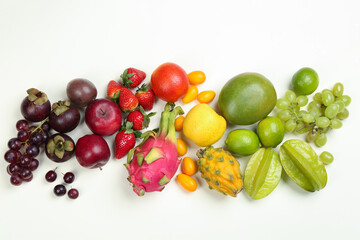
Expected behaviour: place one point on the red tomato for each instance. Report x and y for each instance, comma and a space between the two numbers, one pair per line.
169, 82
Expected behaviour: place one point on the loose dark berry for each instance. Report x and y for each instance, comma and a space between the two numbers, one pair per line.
73, 193
69, 177
50, 176
59, 190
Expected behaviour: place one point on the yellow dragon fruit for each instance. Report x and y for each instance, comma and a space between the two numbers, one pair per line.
221, 170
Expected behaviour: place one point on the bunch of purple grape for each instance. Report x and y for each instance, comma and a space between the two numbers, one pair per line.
24, 149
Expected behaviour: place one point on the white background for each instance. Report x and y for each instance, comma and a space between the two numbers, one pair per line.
45, 44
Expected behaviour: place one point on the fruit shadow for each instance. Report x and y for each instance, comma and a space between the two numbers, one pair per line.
82, 115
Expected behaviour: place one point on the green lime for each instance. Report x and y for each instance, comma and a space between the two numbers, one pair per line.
271, 131
242, 141
305, 81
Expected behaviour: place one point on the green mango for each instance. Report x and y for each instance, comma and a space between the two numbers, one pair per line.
302, 165
247, 98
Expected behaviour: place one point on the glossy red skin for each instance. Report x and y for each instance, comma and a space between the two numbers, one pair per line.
169, 82
92, 151
124, 142
103, 117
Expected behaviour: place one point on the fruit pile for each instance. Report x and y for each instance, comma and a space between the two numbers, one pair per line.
324, 113
246, 99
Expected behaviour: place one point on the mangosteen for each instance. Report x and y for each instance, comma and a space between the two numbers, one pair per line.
64, 117
60, 147
36, 106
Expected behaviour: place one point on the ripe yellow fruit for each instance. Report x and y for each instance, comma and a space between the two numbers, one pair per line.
179, 123
188, 166
181, 147
190, 95
196, 77
206, 96
187, 182
203, 125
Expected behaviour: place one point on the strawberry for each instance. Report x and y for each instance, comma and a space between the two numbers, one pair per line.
127, 100
132, 77
113, 90
139, 119
146, 97
125, 140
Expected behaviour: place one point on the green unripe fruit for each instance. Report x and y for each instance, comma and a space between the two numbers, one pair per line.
242, 142
305, 81
271, 131
247, 98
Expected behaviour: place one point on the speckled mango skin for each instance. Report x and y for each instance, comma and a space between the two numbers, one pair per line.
220, 170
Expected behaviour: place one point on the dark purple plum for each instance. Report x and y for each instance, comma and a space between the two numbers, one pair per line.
64, 117
81, 91
36, 106
60, 147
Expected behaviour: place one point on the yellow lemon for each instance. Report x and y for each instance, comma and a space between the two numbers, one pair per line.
203, 125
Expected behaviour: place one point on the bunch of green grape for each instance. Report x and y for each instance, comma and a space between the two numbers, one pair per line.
325, 112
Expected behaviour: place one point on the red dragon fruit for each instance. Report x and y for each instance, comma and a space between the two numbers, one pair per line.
154, 162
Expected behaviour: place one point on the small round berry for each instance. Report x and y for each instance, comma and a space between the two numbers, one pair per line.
25, 173
15, 179
34, 164
36, 138
50, 176
32, 150
14, 144
25, 160
22, 125
12, 156
60, 190
73, 193
69, 177
13, 168
45, 127
23, 135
